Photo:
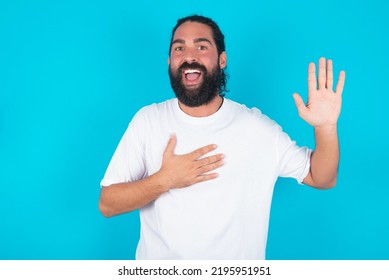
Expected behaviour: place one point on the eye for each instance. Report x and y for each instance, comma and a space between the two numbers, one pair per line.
202, 48
180, 48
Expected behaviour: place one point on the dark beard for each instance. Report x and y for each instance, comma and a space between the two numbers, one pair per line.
204, 93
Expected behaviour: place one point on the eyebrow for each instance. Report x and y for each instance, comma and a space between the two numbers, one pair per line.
178, 41
197, 40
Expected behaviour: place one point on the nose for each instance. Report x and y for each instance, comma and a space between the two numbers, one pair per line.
190, 56
190, 59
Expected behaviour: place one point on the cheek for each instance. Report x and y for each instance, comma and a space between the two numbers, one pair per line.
213, 59
175, 62
173, 70
211, 63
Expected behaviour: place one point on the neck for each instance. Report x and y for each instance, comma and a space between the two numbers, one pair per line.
203, 110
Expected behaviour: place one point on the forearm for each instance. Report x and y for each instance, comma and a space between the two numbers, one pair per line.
325, 159
177, 171
126, 197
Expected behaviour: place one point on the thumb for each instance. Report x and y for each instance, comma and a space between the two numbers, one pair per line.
171, 145
299, 103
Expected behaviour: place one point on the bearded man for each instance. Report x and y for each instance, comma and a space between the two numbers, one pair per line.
206, 194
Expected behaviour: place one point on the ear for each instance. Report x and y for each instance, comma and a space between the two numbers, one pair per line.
168, 60
223, 60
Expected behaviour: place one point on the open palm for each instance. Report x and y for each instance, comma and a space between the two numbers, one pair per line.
324, 105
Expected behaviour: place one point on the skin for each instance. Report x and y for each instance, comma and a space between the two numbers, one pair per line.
193, 42
125, 197
322, 112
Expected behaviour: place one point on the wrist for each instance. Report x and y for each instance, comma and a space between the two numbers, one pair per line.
160, 182
326, 129
325, 135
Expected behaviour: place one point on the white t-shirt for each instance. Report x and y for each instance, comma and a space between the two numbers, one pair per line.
225, 218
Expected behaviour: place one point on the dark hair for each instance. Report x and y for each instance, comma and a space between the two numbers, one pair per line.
218, 37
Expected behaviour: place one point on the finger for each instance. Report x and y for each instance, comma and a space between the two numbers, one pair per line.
322, 73
330, 76
312, 86
206, 177
210, 167
209, 160
202, 151
340, 84
171, 145
299, 104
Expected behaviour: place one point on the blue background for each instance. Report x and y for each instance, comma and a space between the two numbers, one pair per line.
73, 73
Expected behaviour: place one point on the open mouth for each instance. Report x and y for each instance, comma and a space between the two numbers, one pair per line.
192, 75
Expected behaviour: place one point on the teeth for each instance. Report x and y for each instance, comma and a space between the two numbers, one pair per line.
191, 71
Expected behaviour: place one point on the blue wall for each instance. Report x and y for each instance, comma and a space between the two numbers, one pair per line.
73, 73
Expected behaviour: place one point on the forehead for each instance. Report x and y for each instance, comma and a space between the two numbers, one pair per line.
190, 30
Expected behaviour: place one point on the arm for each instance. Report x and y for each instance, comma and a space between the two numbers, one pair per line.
177, 171
322, 112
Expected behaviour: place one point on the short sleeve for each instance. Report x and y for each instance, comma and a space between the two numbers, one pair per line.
294, 161
127, 163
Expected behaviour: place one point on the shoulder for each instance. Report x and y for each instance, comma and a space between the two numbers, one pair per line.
252, 116
154, 110
148, 118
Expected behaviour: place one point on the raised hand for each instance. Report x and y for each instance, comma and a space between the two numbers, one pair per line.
324, 105
180, 171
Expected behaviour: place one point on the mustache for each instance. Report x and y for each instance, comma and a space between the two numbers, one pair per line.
193, 65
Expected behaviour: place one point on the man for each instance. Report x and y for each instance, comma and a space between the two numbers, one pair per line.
206, 194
